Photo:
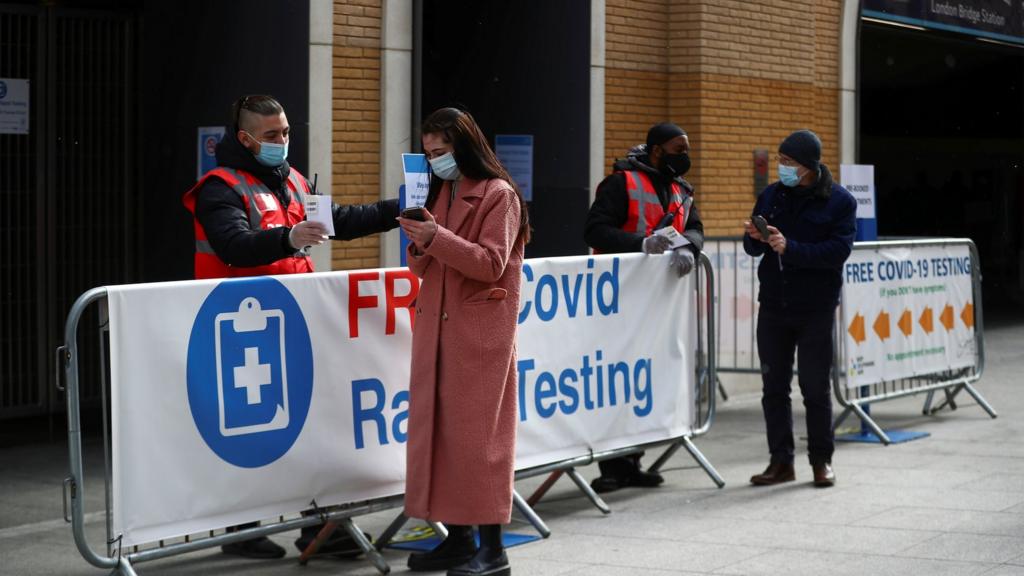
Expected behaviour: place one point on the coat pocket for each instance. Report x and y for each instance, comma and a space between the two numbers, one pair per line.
487, 295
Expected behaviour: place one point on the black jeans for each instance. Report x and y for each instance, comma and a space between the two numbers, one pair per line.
779, 335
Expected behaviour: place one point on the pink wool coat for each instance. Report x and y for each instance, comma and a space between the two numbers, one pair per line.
462, 391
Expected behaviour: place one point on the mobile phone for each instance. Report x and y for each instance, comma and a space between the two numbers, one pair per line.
762, 226
414, 213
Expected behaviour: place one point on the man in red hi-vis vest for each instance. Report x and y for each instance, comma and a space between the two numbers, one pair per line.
249, 219
644, 193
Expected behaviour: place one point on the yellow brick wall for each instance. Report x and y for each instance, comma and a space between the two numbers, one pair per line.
356, 119
737, 75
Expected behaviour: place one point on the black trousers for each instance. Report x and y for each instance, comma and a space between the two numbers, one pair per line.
780, 334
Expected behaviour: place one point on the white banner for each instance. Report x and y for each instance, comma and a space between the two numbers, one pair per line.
907, 312
736, 304
859, 180
243, 399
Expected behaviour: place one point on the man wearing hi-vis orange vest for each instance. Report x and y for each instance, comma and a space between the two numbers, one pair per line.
645, 192
250, 221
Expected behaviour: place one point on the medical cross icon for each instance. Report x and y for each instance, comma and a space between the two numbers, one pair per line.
252, 376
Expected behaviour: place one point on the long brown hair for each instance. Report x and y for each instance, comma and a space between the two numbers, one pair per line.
473, 156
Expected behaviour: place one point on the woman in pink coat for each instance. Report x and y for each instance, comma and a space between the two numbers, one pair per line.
468, 249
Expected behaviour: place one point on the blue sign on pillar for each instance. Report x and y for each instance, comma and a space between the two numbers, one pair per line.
209, 137
516, 153
859, 179
416, 172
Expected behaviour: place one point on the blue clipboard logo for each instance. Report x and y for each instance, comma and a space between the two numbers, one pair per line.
250, 371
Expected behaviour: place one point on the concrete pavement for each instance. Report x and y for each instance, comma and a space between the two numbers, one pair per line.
951, 504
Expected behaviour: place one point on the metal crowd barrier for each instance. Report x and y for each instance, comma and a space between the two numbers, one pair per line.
120, 561
727, 254
951, 383
706, 364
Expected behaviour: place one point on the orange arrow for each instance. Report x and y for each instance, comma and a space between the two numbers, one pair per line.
926, 320
881, 325
947, 317
856, 329
906, 323
968, 315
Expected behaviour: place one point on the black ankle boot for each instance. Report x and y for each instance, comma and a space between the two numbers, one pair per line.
456, 549
490, 559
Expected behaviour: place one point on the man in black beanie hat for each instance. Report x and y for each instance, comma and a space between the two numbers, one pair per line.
644, 193
810, 223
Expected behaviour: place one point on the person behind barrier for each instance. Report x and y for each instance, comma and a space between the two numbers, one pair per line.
644, 193
468, 250
250, 221
810, 223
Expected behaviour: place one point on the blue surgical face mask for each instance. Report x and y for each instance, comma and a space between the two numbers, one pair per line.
445, 167
789, 175
271, 154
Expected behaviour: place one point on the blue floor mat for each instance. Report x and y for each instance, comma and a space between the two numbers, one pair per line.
509, 539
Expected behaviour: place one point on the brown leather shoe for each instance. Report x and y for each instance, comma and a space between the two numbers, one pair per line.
774, 474
824, 476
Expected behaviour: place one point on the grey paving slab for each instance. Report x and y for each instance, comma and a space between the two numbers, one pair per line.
626, 552
951, 504
942, 520
969, 547
803, 536
1005, 570
802, 563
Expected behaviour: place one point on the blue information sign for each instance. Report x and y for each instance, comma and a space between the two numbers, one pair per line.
996, 19
516, 154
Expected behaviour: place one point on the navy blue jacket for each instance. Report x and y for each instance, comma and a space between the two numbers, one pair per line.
819, 223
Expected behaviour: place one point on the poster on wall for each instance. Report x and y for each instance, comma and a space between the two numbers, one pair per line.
516, 154
14, 106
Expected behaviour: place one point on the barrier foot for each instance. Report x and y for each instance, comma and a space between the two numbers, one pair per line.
385, 537
981, 401
664, 457
871, 424
581, 483
927, 410
843, 416
321, 537
950, 393
699, 457
438, 529
124, 568
721, 389
371, 553
530, 515
544, 487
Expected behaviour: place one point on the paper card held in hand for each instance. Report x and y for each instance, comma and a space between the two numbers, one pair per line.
673, 235
318, 209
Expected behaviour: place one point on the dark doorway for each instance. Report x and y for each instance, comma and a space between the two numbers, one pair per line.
68, 215
942, 120
521, 68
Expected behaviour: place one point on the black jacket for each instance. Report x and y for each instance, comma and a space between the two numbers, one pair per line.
819, 223
222, 215
603, 230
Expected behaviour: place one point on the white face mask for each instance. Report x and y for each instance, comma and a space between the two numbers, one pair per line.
789, 175
445, 167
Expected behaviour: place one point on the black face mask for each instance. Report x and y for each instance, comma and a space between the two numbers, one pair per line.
675, 164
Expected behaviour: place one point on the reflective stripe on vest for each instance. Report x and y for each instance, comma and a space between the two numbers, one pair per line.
645, 210
264, 211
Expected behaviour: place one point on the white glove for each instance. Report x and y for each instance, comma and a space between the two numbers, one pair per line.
681, 261
656, 244
307, 233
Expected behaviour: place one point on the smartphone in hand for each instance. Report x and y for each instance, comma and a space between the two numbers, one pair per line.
762, 226
414, 213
